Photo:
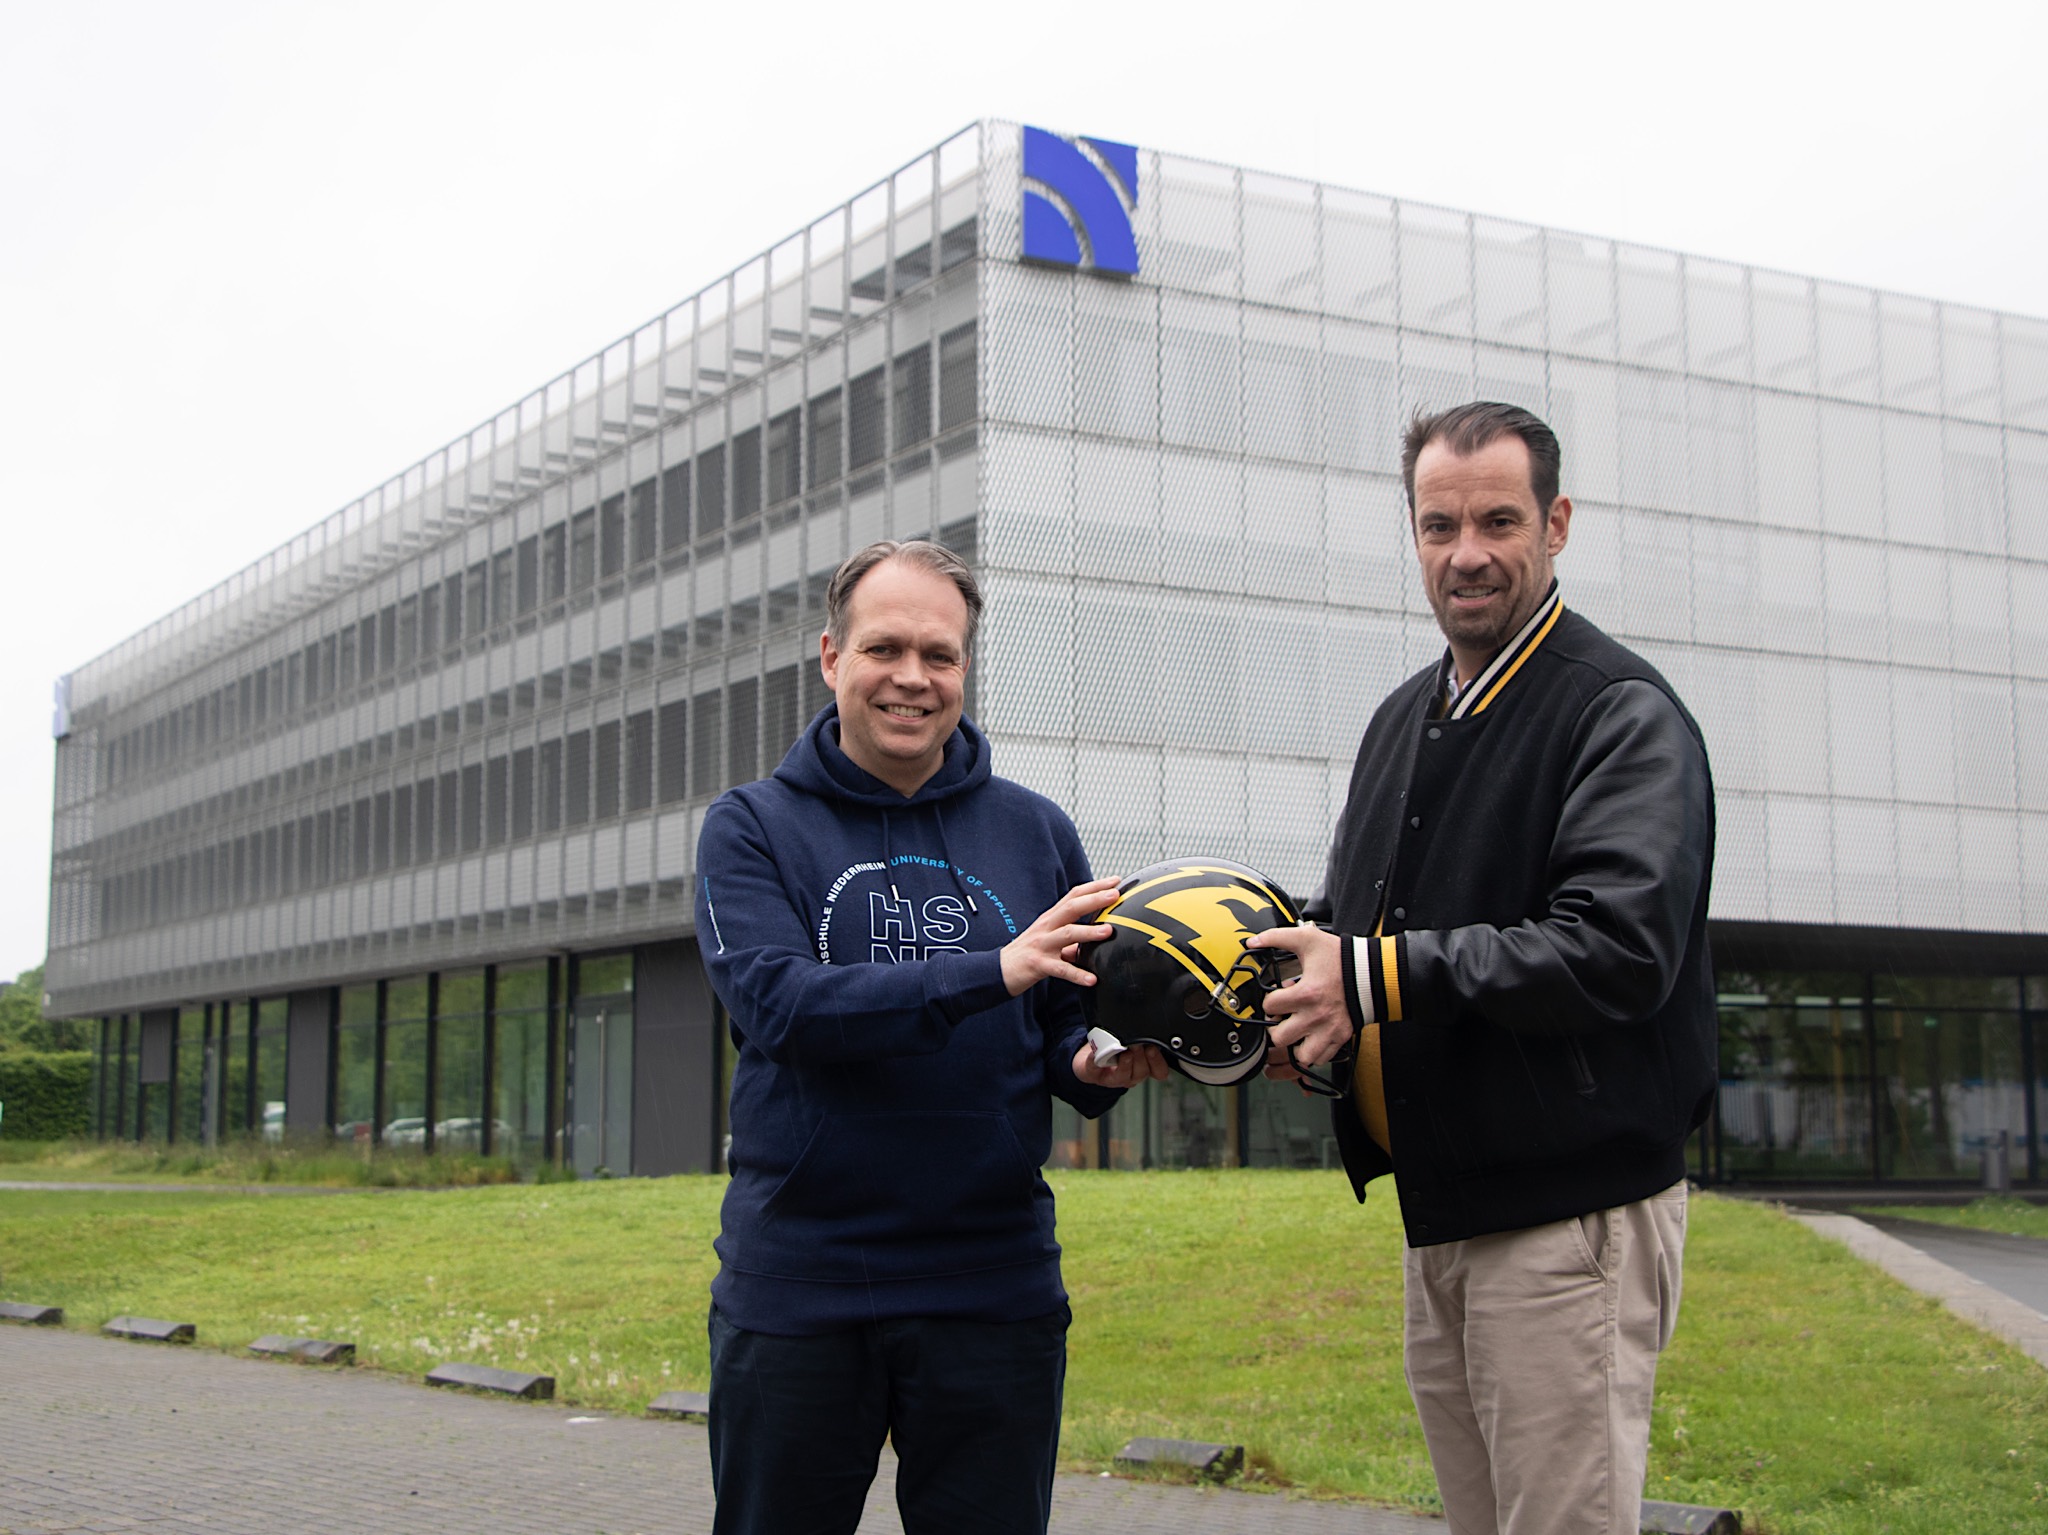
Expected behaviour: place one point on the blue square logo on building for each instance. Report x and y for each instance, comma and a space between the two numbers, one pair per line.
1078, 197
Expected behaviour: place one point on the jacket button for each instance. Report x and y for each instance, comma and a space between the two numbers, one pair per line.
1379, 884
1435, 734
1401, 912
1415, 820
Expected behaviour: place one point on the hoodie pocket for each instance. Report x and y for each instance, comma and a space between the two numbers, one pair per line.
934, 1189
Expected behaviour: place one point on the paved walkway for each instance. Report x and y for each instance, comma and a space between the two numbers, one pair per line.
2014, 1266
98, 1434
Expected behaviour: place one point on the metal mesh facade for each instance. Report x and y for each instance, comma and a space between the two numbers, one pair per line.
1822, 511
476, 715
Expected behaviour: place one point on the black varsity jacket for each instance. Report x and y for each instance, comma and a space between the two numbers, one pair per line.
1523, 885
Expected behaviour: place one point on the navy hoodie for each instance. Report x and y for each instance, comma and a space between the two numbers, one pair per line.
890, 1102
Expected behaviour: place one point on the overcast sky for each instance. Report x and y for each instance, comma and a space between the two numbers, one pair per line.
257, 257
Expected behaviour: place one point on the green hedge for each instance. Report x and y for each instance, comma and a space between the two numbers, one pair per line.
45, 1097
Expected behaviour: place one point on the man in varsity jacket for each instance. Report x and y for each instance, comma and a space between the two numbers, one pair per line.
1515, 938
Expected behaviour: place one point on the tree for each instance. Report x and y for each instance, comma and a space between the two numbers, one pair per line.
23, 1026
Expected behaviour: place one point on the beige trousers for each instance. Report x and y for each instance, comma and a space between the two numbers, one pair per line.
1532, 1358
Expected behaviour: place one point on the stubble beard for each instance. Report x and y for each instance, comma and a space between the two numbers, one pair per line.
1475, 631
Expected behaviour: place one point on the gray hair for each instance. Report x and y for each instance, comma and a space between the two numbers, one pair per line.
920, 552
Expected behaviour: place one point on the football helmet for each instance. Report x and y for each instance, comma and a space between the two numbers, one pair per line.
1176, 974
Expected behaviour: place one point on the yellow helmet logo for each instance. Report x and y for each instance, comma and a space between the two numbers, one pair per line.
1201, 913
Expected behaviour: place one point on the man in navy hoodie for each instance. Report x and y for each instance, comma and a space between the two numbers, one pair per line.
892, 929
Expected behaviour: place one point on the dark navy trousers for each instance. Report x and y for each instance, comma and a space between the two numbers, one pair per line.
972, 1408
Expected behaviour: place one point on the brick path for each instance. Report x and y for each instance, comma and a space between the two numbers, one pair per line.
97, 1434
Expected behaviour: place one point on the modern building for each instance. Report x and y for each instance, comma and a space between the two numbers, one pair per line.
390, 835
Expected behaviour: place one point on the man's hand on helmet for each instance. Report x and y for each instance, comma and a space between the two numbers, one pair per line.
1047, 947
1310, 1013
1140, 1063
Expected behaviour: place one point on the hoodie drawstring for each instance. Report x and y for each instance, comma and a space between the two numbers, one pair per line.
889, 862
951, 868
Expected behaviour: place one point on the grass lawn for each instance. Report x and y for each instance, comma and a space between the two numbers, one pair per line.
2016, 1217
245, 1162
1804, 1387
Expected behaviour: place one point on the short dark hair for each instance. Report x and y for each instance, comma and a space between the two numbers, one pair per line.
922, 553
1466, 429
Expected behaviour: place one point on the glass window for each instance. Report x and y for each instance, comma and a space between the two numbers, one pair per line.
459, 1077
1795, 1078
472, 807
577, 779
956, 377
549, 788
608, 975
519, 1098
445, 815
675, 506
1074, 1140
430, 618
913, 397
554, 573
1176, 1123
237, 1021
522, 793
502, 580
360, 828
583, 550
476, 594
102, 1029
495, 788
643, 522
124, 1097
674, 751
827, 420
323, 847
1950, 1084
601, 1083
611, 536
153, 1107
527, 579
451, 610
742, 718
710, 490
355, 1083
746, 474
189, 1074
405, 1064
640, 760
707, 743
422, 821
269, 1068
781, 722
607, 784
867, 425
1285, 1127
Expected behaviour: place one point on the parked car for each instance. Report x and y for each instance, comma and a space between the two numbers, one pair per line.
466, 1134
411, 1131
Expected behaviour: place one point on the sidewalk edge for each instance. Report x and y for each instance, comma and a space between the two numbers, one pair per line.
1971, 1299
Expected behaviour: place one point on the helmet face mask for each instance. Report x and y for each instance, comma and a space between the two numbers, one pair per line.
1176, 973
